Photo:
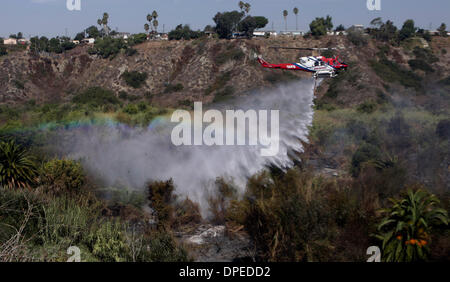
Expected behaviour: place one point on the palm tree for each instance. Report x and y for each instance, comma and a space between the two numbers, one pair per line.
296, 18
16, 167
247, 7
155, 24
405, 231
105, 23
285, 14
146, 27
241, 5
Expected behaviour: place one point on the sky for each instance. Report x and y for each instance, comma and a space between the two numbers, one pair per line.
51, 17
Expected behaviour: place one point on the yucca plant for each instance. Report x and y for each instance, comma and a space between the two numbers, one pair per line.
16, 167
405, 230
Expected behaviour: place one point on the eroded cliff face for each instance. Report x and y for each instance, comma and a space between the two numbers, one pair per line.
205, 68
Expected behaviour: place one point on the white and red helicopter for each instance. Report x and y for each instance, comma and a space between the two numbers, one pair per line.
319, 66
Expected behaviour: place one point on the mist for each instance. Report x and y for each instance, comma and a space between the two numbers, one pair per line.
120, 155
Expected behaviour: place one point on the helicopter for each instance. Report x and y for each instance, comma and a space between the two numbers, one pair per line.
319, 66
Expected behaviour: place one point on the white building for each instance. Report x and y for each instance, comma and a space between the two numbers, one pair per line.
264, 33
10, 41
292, 33
88, 40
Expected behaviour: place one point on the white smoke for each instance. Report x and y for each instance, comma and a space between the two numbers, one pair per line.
133, 156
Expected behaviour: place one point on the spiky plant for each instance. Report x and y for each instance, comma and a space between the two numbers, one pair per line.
16, 167
405, 230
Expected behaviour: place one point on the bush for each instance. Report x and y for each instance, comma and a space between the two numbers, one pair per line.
443, 129
62, 177
161, 198
134, 79
420, 65
108, 47
366, 152
367, 107
96, 96
174, 88
405, 231
184, 32
131, 109
16, 167
108, 242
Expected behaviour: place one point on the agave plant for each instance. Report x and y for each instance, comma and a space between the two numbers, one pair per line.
405, 231
16, 167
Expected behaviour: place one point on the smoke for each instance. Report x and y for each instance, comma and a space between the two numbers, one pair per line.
119, 154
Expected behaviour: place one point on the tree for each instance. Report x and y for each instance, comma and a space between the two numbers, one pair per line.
93, 32
405, 231
443, 30
296, 18
285, 14
227, 23
79, 36
146, 27
261, 22
248, 26
184, 32
104, 23
408, 30
377, 22
318, 27
16, 167
340, 28
155, 21
244, 7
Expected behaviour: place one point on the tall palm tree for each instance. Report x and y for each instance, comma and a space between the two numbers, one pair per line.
405, 231
155, 16
241, 5
16, 167
247, 7
155, 24
285, 14
146, 27
296, 18
105, 23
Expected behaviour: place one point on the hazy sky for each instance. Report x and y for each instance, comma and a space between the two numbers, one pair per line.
51, 17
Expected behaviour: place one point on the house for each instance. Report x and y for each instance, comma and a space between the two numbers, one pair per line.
292, 33
88, 40
121, 35
23, 41
76, 42
264, 33
357, 27
10, 41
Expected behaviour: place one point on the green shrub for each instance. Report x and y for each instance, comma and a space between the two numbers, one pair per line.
134, 79
131, 109
108, 47
420, 65
366, 152
174, 88
16, 167
391, 72
96, 96
62, 177
67, 221
405, 231
108, 242
367, 107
